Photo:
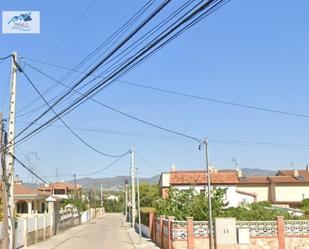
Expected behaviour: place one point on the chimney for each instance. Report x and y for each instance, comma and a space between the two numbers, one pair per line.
173, 168
307, 167
295, 173
239, 173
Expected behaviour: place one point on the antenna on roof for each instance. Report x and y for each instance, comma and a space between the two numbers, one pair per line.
234, 160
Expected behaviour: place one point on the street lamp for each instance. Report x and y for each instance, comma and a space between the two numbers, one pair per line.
205, 142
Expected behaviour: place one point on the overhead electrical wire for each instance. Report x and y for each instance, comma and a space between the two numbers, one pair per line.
106, 167
65, 124
98, 65
128, 115
182, 94
30, 170
134, 45
114, 37
136, 59
150, 32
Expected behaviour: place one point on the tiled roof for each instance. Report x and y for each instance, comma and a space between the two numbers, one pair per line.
254, 180
199, 178
303, 173
288, 179
58, 185
20, 189
23, 190
272, 179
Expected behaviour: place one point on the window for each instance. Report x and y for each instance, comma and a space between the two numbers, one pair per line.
59, 192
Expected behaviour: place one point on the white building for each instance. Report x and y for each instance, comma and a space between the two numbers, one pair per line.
197, 179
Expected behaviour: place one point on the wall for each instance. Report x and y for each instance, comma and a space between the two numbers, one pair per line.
291, 193
261, 191
189, 234
35, 228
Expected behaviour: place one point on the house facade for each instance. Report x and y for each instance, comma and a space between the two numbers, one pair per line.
286, 189
61, 190
27, 200
197, 180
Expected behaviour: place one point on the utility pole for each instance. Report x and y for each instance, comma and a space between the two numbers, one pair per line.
133, 186
4, 185
101, 195
209, 195
10, 151
126, 196
57, 174
139, 209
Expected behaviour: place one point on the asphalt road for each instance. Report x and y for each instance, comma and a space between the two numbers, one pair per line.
106, 233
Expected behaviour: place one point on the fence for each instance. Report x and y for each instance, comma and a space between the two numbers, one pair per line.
168, 233
35, 228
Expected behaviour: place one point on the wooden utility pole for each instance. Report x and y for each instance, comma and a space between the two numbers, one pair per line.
133, 186
10, 151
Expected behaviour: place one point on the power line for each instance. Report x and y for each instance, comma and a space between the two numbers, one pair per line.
98, 65
182, 94
128, 115
5, 57
215, 140
137, 58
108, 166
30, 170
114, 37
64, 123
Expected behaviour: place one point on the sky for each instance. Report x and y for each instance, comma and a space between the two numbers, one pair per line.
249, 52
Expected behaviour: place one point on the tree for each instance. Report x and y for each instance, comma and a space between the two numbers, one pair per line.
77, 202
304, 205
113, 206
149, 194
256, 211
189, 203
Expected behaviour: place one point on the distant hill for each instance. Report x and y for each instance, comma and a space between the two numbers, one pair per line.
116, 183
258, 172
112, 183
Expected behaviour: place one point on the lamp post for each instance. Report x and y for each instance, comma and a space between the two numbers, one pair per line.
205, 142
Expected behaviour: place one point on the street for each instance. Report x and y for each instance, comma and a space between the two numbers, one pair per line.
106, 232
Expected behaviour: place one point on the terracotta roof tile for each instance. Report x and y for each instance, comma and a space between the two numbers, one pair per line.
288, 179
20, 189
58, 185
199, 178
254, 180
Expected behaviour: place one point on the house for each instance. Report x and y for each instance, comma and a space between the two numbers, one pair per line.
197, 179
28, 200
113, 198
286, 189
60, 189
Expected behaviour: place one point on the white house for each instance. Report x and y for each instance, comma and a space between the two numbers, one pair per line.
197, 179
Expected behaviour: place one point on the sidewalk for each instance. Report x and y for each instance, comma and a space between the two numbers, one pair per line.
61, 238
145, 243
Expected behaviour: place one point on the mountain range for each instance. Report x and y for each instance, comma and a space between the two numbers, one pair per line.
117, 182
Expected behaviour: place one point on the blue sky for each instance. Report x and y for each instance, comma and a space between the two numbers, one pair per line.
249, 52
